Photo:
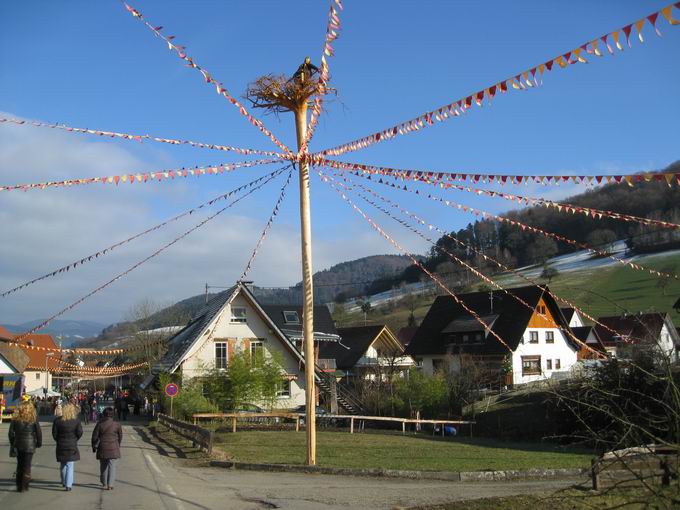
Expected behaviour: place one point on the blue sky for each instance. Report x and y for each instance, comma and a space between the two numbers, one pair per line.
90, 64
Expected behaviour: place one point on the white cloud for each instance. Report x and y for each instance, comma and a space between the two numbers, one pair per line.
43, 230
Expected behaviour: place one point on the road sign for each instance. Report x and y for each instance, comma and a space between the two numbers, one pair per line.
171, 390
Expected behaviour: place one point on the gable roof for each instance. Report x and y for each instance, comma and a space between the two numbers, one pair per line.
508, 319
354, 344
583, 332
180, 344
324, 326
14, 356
5, 334
637, 328
182, 341
405, 334
37, 358
568, 313
676, 306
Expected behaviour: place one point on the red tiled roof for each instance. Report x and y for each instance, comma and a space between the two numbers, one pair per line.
37, 357
5, 334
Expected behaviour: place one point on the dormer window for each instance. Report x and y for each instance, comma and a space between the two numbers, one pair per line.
238, 314
291, 317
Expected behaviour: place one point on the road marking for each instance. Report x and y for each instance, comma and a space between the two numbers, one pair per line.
170, 490
153, 464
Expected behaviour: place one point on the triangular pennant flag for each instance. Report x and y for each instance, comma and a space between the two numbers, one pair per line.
626, 31
638, 26
652, 19
667, 13
615, 36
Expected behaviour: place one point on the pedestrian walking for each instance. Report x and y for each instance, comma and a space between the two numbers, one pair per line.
106, 439
24, 437
2, 404
85, 410
66, 430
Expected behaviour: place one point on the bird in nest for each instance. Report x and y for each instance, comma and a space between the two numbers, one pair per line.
305, 71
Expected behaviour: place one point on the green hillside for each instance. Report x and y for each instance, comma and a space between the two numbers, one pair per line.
602, 291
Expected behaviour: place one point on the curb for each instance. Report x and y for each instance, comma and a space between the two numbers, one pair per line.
452, 476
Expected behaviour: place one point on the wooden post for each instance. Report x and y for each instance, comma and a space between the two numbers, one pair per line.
594, 471
297, 424
308, 295
351, 425
233, 423
403, 428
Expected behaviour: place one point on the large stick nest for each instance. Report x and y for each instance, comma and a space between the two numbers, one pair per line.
279, 94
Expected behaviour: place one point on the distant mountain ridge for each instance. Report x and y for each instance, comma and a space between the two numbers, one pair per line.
70, 331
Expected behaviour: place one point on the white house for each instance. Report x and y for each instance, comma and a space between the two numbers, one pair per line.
655, 330
234, 320
527, 319
573, 318
366, 351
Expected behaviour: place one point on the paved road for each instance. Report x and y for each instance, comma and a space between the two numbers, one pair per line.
150, 478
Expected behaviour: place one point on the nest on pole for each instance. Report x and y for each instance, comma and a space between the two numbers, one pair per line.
278, 94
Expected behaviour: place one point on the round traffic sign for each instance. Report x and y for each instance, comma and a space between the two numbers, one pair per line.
171, 390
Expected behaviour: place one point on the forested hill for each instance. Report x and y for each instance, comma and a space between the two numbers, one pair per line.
361, 273
517, 247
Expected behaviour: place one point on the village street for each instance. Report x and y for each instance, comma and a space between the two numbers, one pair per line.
149, 478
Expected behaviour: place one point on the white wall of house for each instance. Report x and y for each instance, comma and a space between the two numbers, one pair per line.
666, 343
5, 368
576, 320
560, 352
202, 355
34, 380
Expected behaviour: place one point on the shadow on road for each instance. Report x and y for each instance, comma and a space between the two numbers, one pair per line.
158, 442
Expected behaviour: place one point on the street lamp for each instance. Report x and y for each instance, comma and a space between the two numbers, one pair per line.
47, 373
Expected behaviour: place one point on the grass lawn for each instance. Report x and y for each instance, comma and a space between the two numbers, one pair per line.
570, 499
394, 451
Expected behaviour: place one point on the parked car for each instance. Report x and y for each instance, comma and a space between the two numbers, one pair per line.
320, 411
245, 408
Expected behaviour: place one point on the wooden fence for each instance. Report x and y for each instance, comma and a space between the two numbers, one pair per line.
201, 437
234, 417
634, 466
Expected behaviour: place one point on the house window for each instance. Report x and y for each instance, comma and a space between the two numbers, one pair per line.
238, 314
283, 389
531, 365
37, 376
549, 337
533, 337
256, 350
291, 317
548, 364
541, 309
557, 364
466, 338
221, 355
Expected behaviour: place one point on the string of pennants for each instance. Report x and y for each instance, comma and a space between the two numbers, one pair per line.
524, 80
413, 259
145, 177
180, 51
142, 138
267, 226
332, 33
141, 262
104, 251
79, 351
456, 259
630, 179
70, 367
480, 253
562, 207
433, 178
523, 226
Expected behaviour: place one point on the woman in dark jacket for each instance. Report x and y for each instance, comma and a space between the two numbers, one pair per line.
24, 437
66, 430
106, 439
